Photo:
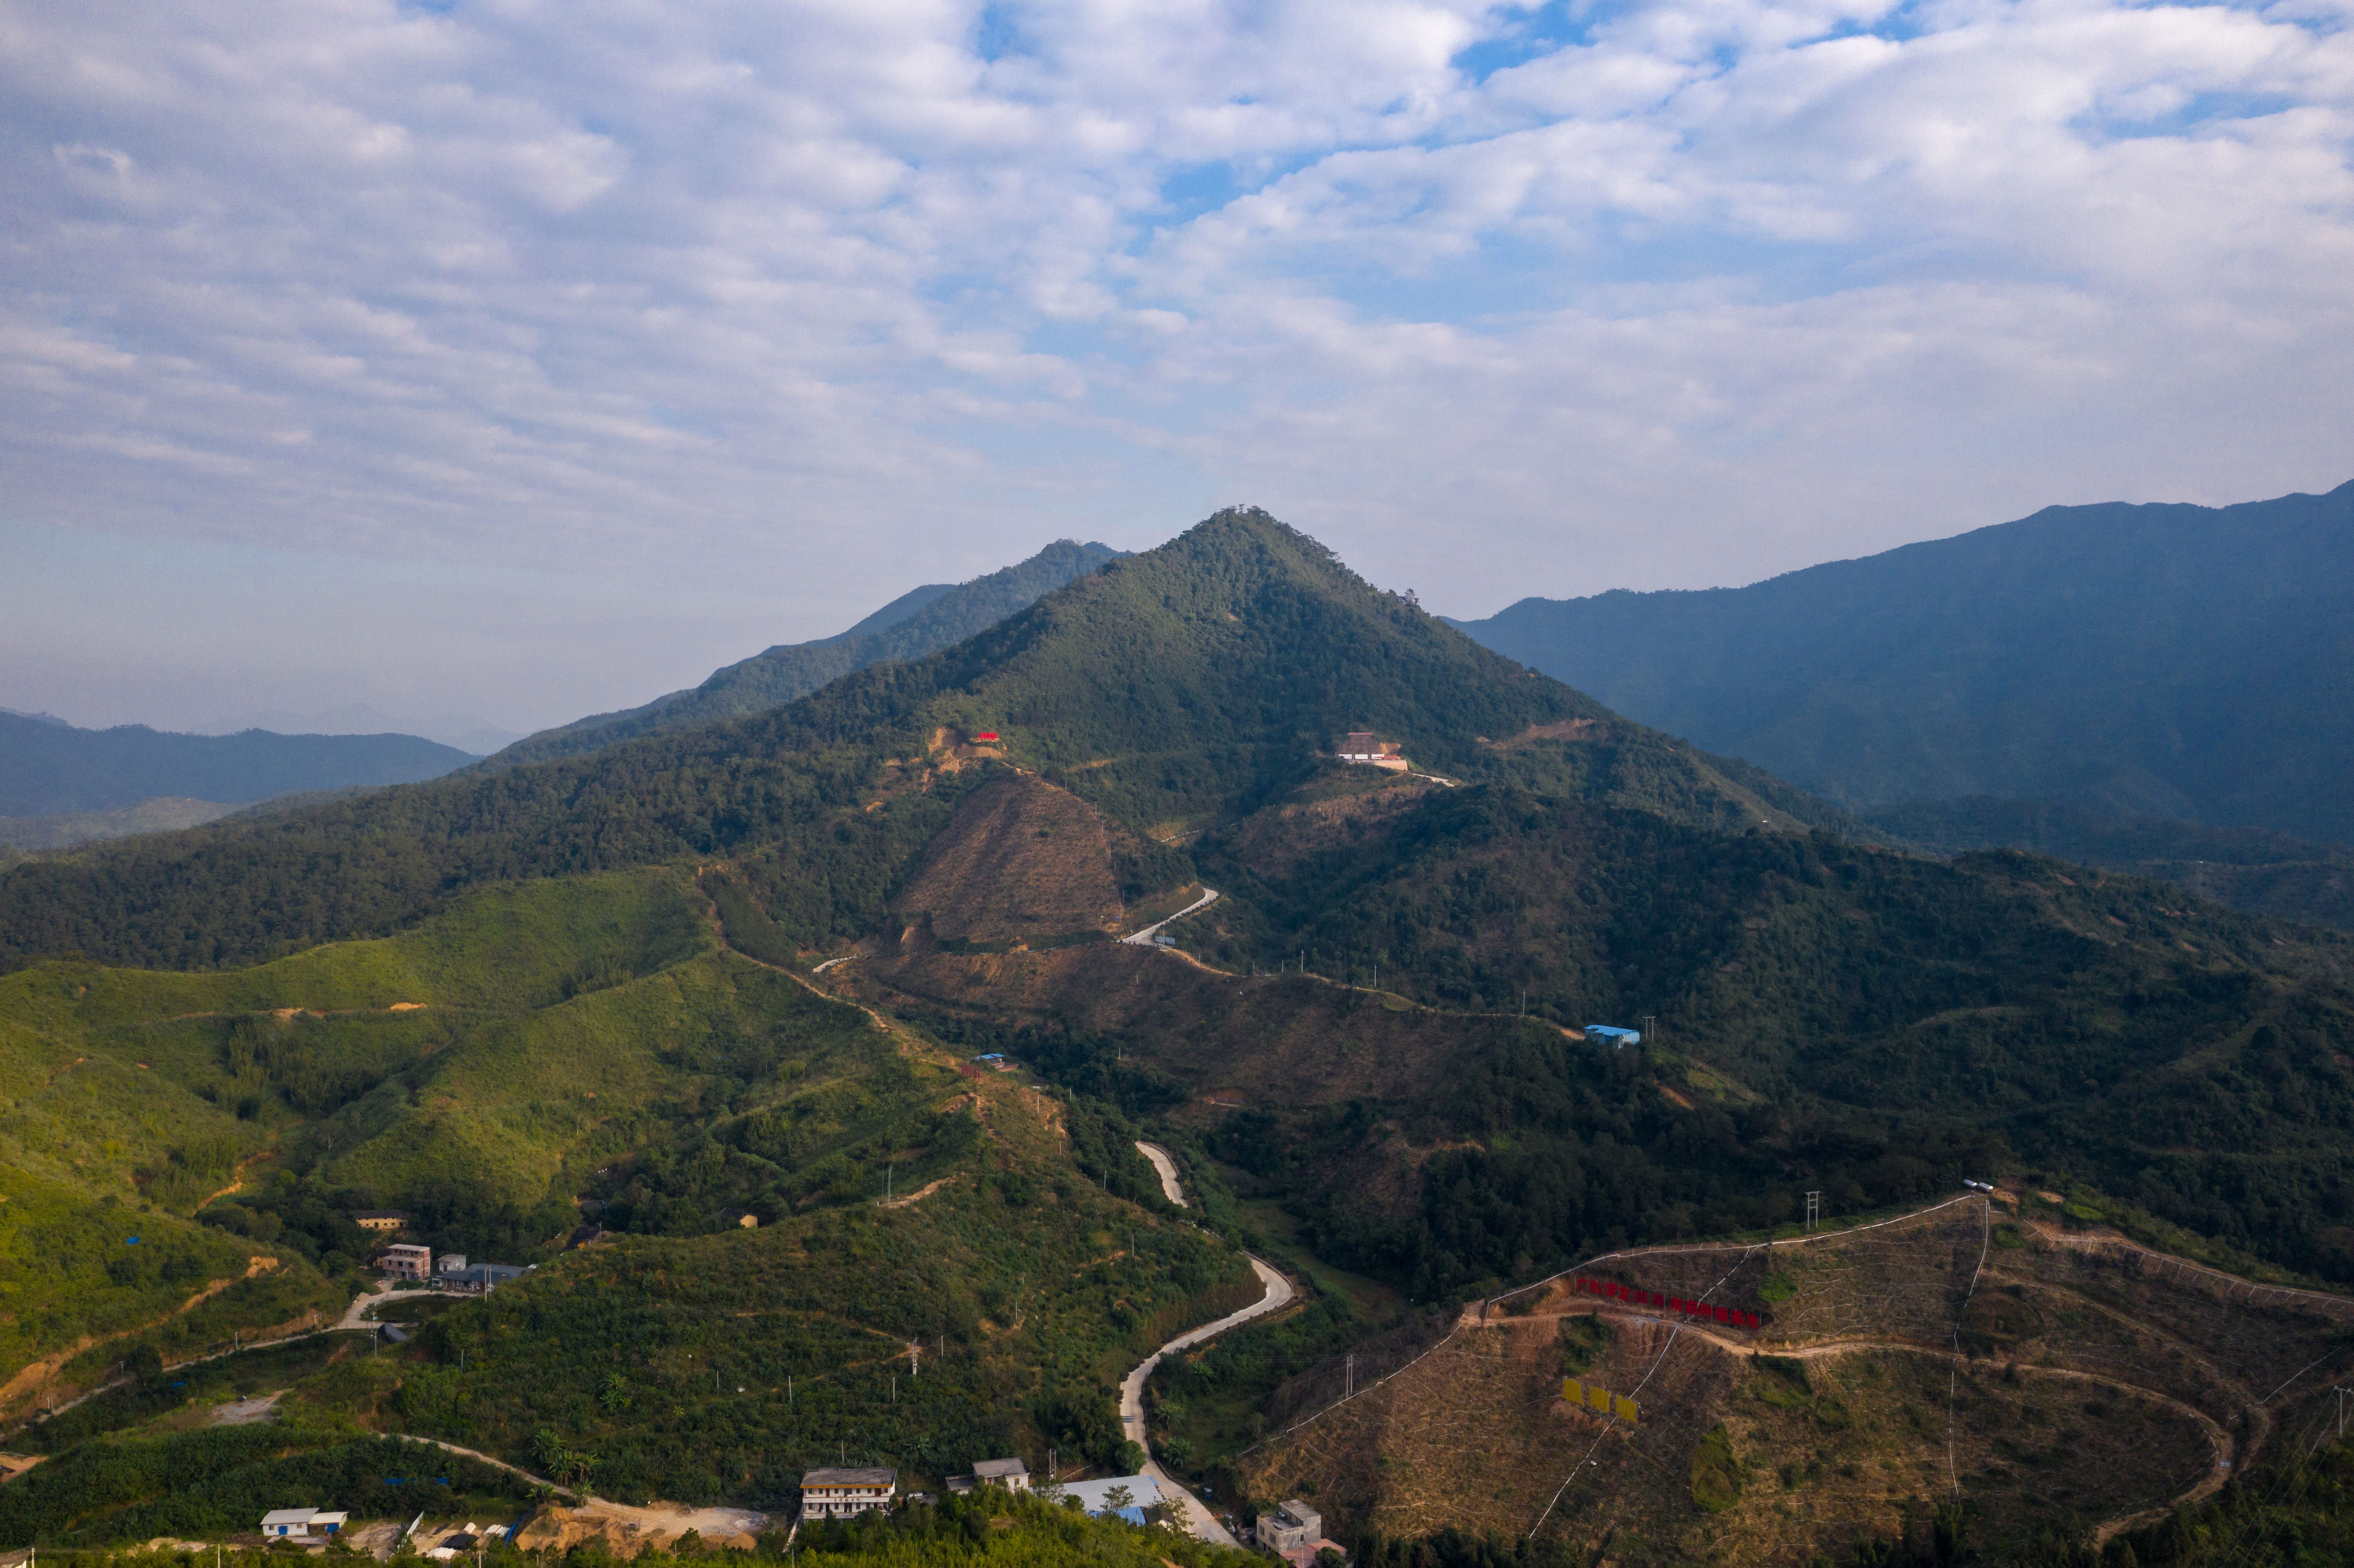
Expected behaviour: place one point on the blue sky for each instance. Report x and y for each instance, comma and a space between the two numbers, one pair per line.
529, 359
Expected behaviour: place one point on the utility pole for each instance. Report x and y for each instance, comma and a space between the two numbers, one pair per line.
1814, 1209
1350, 1388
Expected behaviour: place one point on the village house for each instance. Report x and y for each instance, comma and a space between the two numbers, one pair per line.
300, 1523
479, 1279
840, 1493
404, 1260
381, 1220
1294, 1523
1011, 1474
1363, 746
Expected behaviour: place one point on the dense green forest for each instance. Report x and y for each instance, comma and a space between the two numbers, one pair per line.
1840, 1018
2253, 870
2168, 660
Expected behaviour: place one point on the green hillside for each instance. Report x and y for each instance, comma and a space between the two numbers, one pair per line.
1172, 689
544, 1053
2168, 661
922, 621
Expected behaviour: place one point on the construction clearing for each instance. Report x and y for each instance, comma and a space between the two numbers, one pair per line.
2049, 1381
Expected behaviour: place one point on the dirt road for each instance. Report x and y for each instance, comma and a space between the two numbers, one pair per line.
1198, 1519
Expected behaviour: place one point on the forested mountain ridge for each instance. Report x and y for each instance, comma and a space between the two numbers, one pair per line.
2250, 869
922, 621
2168, 660
48, 768
1170, 689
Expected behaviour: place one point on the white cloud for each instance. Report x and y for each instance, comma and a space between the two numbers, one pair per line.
1496, 298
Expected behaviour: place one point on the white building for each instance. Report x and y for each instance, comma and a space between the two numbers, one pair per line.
1292, 1525
300, 1523
834, 1493
1095, 1496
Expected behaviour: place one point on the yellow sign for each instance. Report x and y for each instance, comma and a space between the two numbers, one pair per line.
1597, 1398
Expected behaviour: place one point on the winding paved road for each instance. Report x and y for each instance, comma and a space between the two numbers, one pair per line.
1144, 938
1198, 1519
1167, 1167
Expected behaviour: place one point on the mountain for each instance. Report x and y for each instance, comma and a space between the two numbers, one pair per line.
1176, 687
2159, 660
47, 768
529, 1004
468, 731
920, 621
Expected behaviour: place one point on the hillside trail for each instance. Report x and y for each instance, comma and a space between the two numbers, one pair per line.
1198, 1518
719, 935
32, 1374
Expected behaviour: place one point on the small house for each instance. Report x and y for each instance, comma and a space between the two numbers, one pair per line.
742, 1219
841, 1493
1011, 1474
1363, 746
1616, 1038
480, 1278
1292, 1524
381, 1220
404, 1260
299, 1523
450, 1263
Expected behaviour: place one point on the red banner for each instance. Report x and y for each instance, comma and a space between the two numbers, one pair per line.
1610, 1289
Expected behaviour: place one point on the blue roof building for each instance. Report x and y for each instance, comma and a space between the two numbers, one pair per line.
1612, 1036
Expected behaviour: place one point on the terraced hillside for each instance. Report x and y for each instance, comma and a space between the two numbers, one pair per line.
2010, 1379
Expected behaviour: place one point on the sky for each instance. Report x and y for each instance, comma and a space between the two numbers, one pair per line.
509, 361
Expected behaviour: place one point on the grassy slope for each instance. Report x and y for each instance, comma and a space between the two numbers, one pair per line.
674, 1079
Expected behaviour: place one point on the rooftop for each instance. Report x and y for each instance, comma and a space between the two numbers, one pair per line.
852, 1476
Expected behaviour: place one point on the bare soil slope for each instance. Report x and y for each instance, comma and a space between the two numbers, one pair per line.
1020, 858
2096, 1386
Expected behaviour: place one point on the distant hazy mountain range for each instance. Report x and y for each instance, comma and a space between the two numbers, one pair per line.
470, 733
48, 767
2135, 664
920, 621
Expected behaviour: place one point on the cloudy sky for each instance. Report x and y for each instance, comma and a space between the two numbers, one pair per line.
523, 359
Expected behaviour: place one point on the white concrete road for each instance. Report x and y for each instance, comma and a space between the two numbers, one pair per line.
1144, 938
1163, 1163
1198, 1518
